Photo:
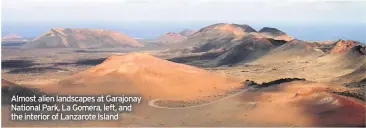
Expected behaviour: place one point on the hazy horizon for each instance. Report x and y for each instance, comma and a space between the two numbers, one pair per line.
302, 19
311, 32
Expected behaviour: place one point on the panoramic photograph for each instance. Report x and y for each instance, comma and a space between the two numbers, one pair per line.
183, 63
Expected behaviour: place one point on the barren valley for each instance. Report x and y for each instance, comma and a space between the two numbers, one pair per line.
221, 75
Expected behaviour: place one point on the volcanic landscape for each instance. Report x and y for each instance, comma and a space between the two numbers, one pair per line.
221, 75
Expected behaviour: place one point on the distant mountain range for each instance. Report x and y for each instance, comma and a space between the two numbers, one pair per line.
214, 38
82, 38
228, 44
173, 37
14, 40
12, 37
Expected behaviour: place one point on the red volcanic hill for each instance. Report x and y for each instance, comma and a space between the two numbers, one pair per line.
343, 46
229, 44
346, 54
274, 33
235, 29
171, 37
215, 37
146, 75
174, 37
82, 38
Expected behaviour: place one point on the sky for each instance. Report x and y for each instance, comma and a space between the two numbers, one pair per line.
179, 14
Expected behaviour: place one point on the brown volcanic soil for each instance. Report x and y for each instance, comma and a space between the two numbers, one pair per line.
350, 59
143, 74
245, 49
305, 104
355, 80
355, 76
343, 46
158, 78
82, 38
294, 51
310, 102
300, 103
8, 89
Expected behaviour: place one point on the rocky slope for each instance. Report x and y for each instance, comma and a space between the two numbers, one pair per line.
344, 54
275, 34
343, 46
187, 32
245, 49
292, 51
215, 37
231, 44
